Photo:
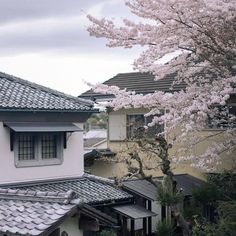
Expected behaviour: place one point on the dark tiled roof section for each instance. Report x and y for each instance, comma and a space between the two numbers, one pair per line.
19, 94
140, 83
89, 189
31, 218
144, 188
37, 196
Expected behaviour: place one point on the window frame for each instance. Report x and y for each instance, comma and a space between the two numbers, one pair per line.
222, 125
39, 161
128, 133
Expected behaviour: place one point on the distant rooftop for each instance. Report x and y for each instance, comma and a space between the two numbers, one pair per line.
96, 133
19, 94
141, 83
144, 188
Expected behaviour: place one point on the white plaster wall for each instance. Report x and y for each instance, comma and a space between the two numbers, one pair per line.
71, 226
117, 126
117, 123
72, 165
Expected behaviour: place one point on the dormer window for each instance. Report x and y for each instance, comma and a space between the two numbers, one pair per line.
39, 144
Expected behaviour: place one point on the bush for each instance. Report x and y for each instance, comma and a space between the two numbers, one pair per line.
164, 229
107, 232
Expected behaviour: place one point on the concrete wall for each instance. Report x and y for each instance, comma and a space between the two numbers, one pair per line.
72, 164
117, 135
118, 168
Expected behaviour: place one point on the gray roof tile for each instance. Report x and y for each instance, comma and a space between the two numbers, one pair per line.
21, 214
19, 94
32, 208
90, 189
141, 83
144, 188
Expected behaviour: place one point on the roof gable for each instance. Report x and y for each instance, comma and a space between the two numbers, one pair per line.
19, 94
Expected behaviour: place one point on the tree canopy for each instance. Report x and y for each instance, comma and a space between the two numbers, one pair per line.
202, 34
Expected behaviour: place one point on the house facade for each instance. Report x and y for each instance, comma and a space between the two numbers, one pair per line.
43, 187
40, 132
122, 123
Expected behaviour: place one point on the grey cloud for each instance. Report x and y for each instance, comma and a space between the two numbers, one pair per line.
52, 25
18, 10
66, 39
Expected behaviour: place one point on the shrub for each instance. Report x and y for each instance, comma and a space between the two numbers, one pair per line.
164, 229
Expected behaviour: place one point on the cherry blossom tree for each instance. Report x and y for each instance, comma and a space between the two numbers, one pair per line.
203, 32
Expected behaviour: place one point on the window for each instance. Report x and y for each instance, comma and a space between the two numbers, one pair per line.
49, 146
139, 120
38, 149
225, 116
26, 147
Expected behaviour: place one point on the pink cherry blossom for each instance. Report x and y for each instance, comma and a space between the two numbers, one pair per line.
205, 34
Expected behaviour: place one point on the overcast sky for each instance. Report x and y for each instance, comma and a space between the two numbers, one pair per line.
46, 41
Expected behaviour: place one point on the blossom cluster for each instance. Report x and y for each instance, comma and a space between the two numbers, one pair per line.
205, 34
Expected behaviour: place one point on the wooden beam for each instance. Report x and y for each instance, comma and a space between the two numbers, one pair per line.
149, 218
132, 227
12, 139
65, 140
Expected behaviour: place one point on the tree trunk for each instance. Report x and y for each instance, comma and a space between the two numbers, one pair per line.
169, 184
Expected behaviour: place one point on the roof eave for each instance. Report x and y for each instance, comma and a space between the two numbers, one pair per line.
48, 110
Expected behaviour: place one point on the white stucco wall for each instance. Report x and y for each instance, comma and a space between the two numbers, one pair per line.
72, 161
117, 123
156, 208
117, 126
71, 226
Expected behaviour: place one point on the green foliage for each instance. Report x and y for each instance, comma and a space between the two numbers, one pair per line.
227, 211
107, 232
222, 228
190, 212
96, 121
164, 229
225, 183
205, 194
167, 198
220, 192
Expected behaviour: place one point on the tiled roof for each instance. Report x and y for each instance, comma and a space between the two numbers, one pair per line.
36, 208
139, 82
32, 212
90, 189
19, 94
93, 142
144, 188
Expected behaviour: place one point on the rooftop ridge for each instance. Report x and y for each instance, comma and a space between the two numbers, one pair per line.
99, 178
140, 82
37, 196
44, 88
